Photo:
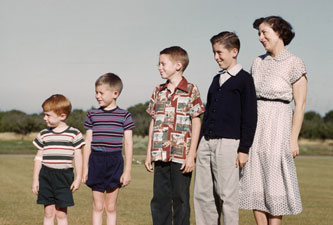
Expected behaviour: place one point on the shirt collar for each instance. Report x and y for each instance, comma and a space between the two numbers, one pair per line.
182, 85
233, 71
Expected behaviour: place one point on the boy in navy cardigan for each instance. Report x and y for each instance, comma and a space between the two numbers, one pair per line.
227, 134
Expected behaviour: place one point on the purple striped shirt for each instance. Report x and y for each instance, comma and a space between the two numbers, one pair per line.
108, 128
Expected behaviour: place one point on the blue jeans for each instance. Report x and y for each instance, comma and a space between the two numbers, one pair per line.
171, 198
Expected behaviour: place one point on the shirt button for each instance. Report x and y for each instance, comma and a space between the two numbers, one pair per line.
216, 100
214, 110
220, 89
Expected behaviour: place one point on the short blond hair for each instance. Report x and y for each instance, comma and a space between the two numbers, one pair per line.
58, 104
112, 80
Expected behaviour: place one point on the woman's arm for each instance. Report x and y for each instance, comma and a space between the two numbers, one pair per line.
299, 93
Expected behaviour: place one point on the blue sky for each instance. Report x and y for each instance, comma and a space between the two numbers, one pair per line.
58, 46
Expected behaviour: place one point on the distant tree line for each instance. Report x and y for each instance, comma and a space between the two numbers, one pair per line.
314, 126
317, 127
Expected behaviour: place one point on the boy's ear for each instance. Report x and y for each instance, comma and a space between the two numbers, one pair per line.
63, 116
116, 94
234, 52
179, 66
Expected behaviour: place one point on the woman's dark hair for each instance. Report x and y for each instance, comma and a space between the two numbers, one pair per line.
279, 25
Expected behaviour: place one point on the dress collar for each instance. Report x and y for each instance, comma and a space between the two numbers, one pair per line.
284, 54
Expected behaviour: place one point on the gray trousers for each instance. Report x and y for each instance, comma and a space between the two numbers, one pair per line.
216, 185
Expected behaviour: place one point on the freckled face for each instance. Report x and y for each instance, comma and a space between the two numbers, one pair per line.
52, 119
268, 37
167, 67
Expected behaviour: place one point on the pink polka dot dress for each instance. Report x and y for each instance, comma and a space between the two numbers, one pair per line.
268, 182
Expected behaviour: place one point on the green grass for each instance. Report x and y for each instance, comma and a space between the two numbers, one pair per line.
18, 204
26, 146
17, 147
140, 146
322, 150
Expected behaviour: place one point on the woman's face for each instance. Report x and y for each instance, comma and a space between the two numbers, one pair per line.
269, 38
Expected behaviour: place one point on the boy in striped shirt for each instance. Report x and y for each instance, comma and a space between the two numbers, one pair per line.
103, 164
58, 145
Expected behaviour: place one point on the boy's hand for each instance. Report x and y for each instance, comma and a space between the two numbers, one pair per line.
84, 175
35, 187
148, 164
125, 179
241, 159
76, 184
188, 165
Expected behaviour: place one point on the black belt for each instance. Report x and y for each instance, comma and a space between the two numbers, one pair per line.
273, 100
208, 137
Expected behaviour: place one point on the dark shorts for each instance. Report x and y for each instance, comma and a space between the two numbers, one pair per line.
105, 170
54, 187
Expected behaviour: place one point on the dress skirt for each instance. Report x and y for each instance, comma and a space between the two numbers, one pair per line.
268, 182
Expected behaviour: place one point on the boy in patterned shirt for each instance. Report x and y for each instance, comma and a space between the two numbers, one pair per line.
175, 107
53, 178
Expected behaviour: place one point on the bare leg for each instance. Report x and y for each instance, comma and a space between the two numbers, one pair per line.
275, 220
49, 214
261, 217
111, 207
61, 215
98, 208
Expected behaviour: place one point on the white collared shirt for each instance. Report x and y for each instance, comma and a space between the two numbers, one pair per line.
226, 74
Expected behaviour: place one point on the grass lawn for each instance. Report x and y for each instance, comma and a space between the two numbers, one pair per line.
11, 143
18, 204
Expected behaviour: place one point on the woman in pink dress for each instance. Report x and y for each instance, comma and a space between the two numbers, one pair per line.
268, 181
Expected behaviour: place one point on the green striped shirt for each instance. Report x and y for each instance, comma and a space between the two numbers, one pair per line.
58, 148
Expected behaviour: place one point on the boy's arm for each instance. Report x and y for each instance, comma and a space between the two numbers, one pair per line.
78, 169
248, 122
189, 163
86, 154
148, 164
125, 178
37, 167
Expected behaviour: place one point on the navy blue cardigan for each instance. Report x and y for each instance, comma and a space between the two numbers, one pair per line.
231, 110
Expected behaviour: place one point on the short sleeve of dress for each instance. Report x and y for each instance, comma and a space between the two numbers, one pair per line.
151, 107
197, 107
298, 70
88, 122
38, 142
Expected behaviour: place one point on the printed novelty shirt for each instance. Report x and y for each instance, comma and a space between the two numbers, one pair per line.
173, 113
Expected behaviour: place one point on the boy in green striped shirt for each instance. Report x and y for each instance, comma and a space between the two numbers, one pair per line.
58, 145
